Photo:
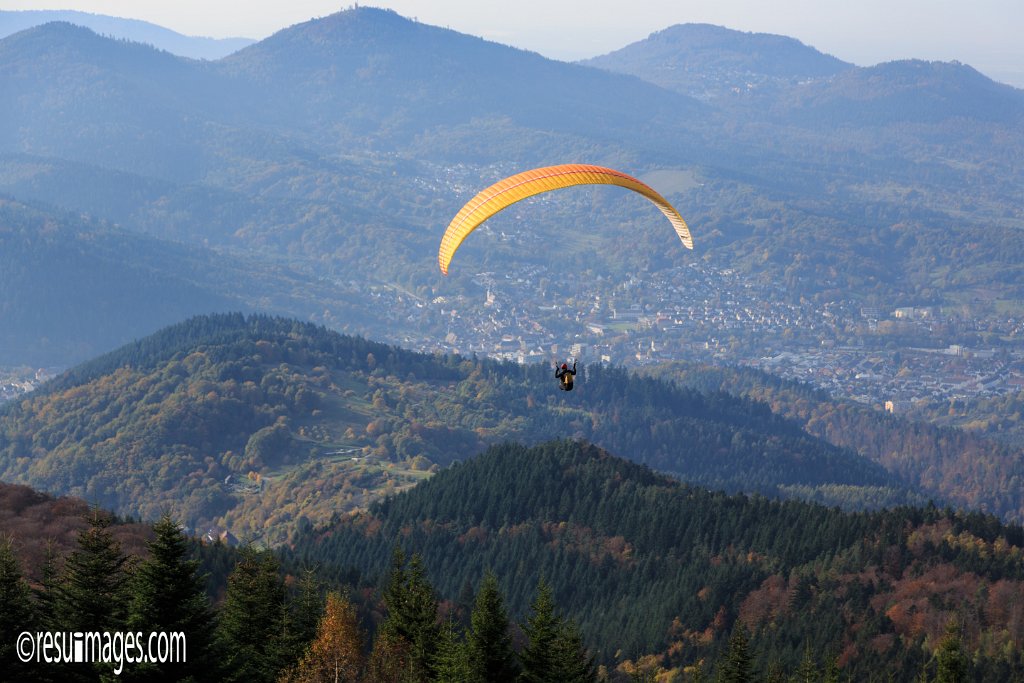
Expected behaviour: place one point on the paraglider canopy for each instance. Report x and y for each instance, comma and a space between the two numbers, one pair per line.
515, 188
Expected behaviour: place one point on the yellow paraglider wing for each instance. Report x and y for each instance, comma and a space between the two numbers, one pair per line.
515, 188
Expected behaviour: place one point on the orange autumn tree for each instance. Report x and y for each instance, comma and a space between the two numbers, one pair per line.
336, 654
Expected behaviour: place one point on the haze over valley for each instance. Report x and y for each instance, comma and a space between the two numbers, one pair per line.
220, 301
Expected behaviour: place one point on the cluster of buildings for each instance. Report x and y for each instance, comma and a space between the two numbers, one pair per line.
698, 312
896, 380
15, 381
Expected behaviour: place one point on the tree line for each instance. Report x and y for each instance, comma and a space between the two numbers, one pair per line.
274, 625
270, 626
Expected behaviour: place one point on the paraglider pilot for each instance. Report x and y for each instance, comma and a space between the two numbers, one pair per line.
565, 376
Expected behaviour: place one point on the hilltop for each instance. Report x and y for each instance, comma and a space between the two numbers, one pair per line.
646, 565
437, 80
711, 62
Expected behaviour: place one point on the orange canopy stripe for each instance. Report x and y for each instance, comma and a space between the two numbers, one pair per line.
504, 193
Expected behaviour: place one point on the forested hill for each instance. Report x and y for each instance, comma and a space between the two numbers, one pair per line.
711, 62
645, 564
259, 424
968, 467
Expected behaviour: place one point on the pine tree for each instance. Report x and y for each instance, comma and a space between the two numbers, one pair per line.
393, 590
452, 661
412, 614
168, 595
738, 667
464, 602
92, 593
251, 628
490, 644
309, 610
540, 656
952, 663
832, 669
575, 665
16, 613
336, 653
46, 593
807, 672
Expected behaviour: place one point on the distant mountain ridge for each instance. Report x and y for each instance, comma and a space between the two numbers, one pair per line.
447, 78
194, 47
795, 80
710, 62
439, 80
885, 94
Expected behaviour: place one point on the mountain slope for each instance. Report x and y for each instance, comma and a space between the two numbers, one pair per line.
76, 95
356, 135
73, 287
903, 91
125, 29
647, 565
258, 423
968, 469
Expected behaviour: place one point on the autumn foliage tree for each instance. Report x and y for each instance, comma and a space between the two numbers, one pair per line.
336, 654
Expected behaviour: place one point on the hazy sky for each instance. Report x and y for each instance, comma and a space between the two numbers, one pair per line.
987, 34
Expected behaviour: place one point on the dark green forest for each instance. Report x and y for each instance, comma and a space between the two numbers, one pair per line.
647, 565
